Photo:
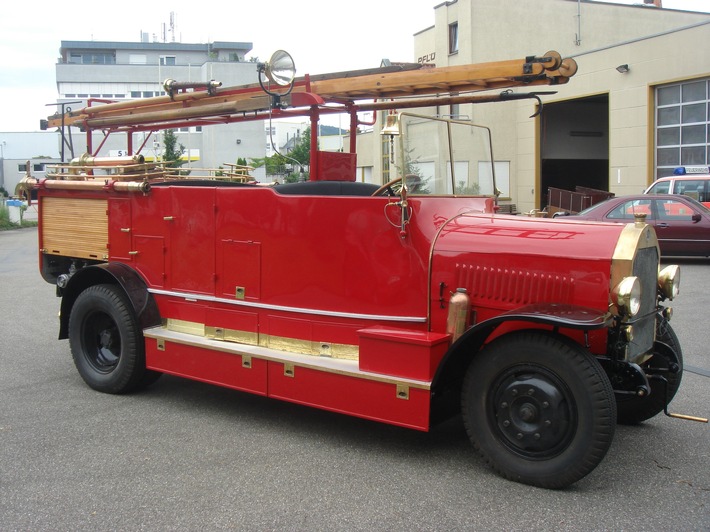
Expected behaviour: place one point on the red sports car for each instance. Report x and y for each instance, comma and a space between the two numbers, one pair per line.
682, 224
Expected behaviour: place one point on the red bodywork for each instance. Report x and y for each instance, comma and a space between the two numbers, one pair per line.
335, 270
403, 303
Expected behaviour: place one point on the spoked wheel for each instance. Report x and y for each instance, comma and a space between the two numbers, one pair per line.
539, 408
666, 363
107, 342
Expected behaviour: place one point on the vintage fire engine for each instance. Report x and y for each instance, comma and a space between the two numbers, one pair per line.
403, 303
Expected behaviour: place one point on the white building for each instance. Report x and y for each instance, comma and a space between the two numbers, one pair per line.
609, 128
92, 72
23, 151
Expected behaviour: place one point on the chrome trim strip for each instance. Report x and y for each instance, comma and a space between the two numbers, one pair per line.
213, 299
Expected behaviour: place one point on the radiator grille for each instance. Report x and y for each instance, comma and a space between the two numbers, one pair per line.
646, 270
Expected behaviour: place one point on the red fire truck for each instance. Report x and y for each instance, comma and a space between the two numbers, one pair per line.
405, 303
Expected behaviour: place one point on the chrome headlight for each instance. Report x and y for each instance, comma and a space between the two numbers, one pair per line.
627, 296
669, 281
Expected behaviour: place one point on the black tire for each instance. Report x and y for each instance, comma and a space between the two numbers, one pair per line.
539, 408
633, 410
106, 341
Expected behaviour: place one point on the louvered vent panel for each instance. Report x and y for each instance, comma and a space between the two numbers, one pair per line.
511, 286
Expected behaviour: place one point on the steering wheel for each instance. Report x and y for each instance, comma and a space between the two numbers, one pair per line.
388, 187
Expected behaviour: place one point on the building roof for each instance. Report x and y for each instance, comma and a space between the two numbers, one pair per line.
171, 46
656, 5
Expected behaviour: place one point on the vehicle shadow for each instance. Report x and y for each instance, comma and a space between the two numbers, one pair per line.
304, 422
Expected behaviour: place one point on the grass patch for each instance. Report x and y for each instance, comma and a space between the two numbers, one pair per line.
6, 224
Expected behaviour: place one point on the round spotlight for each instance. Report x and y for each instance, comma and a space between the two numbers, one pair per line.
280, 69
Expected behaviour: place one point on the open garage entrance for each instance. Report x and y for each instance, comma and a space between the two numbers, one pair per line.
574, 145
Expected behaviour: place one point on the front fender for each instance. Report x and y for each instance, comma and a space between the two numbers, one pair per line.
114, 273
453, 365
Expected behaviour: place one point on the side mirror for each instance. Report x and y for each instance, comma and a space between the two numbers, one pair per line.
696, 217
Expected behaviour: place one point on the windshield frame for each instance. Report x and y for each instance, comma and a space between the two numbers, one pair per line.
451, 149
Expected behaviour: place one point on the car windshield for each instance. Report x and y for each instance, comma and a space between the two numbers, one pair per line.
446, 157
593, 207
660, 187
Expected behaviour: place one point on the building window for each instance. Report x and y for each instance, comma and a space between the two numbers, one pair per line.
135, 94
167, 60
92, 58
682, 125
36, 167
454, 38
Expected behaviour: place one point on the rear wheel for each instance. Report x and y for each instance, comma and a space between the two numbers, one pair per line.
107, 342
662, 365
539, 408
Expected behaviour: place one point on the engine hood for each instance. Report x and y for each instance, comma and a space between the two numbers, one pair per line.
531, 237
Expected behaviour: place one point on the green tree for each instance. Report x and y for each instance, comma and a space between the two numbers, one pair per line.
302, 151
288, 168
275, 164
172, 154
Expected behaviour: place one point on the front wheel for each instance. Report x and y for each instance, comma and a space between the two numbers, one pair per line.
106, 341
539, 408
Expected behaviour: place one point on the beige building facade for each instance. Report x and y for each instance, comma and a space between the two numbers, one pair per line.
637, 107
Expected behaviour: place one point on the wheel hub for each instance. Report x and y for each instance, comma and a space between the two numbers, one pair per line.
102, 342
532, 413
528, 412
106, 338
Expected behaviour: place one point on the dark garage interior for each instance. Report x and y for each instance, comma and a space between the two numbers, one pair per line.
574, 145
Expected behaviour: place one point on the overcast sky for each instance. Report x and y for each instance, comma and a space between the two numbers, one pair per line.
322, 36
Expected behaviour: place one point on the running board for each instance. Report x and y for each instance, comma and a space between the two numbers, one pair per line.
318, 363
336, 385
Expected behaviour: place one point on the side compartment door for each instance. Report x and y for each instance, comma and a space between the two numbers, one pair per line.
119, 229
191, 239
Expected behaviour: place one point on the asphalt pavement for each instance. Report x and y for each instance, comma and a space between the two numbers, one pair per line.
183, 455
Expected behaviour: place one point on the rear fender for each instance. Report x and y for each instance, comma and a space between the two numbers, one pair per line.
452, 367
115, 273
